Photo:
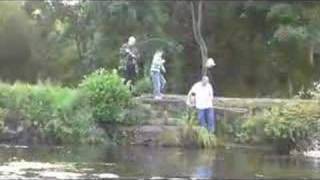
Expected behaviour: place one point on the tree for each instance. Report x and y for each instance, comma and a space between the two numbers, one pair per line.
296, 26
196, 26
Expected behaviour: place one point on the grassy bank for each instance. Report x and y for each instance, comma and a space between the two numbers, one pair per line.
287, 127
92, 111
60, 114
56, 113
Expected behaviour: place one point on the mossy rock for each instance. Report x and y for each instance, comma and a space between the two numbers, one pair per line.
169, 138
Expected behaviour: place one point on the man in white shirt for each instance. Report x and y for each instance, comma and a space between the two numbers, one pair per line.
201, 97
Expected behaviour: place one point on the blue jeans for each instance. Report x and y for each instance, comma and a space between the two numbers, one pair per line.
158, 82
207, 119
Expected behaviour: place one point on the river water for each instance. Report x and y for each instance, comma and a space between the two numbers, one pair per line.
148, 162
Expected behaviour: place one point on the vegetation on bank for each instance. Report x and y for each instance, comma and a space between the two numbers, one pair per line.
62, 114
288, 126
194, 135
101, 100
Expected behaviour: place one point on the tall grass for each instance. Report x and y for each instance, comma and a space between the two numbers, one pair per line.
69, 115
60, 113
193, 134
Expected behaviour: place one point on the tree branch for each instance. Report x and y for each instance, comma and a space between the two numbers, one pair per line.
196, 26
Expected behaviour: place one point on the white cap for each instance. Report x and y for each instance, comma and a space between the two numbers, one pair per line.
132, 40
36, 12
210, 63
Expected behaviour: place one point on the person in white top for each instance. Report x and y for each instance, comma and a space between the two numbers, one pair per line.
201, 97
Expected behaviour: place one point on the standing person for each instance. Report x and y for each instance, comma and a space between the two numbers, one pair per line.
201, 96
157, 69
128, 60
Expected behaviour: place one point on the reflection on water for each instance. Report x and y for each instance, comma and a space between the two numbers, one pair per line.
170, 162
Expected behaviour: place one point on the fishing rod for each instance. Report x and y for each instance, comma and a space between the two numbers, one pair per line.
224, 108
155, 39
233, 109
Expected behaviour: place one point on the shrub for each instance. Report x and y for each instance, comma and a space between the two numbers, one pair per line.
286, 125
58, 113
143, 86
107, 94
251, 130
71, 119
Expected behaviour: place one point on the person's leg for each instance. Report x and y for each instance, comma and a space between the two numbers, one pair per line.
126, 77
128, 80
206, 115
128, 74
202, 117
163, 83
211, 119
156, 83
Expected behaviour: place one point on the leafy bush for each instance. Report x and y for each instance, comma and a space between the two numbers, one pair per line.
143, 86
290, 123
58, 113
107, 94
252, 130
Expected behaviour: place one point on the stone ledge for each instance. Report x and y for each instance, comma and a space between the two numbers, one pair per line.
233, 102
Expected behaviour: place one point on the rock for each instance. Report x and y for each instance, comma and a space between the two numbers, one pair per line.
151, 135
169, 138
61, 175
157, 178
313, 154
107, 176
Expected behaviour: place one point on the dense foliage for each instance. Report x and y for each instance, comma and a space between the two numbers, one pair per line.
287, 125
107, 94
61, 114
252, 42
66, 115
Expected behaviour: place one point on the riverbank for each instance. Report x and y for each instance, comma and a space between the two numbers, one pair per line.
98, 111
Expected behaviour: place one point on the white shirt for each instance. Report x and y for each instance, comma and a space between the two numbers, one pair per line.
204, 95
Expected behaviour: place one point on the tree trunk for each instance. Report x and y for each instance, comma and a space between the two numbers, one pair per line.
196, 27
78, 46
311, 54
290, 86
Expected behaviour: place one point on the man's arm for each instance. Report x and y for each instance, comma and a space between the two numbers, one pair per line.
123, 54
211, 92
136, 52
163, 69
123, 50
191, 91
136, 66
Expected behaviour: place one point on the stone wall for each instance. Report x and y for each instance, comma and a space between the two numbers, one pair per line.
162, 125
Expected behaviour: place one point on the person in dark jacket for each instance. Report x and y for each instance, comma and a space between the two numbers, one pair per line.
128, 60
